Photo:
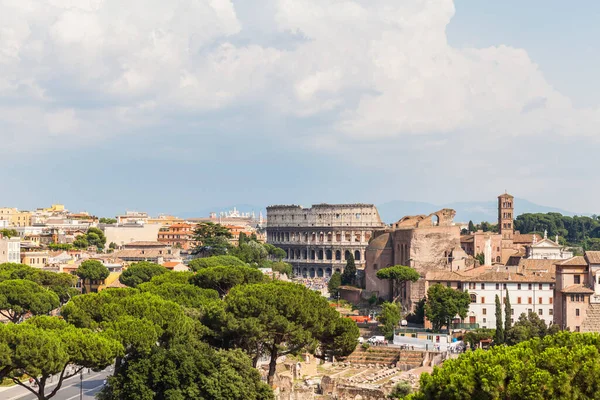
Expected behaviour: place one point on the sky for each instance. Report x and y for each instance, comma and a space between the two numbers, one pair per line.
173, 107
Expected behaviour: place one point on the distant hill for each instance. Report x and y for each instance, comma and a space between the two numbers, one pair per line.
475, 211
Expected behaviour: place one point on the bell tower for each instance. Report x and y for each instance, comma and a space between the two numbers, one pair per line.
506, 212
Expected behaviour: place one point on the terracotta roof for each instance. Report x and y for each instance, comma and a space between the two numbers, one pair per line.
133, 253
526, 238
116, 284
444, 276
531, 264
170, 264
577, 260
593, 257
575, 289
504, 276
144, 243
466, 239
506, 195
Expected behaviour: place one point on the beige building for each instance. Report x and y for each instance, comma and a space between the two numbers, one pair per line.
423, 242
572, 294
10, 250
152, 251
123, 234
36, 259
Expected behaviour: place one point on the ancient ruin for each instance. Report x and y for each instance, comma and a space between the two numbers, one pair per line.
319, 240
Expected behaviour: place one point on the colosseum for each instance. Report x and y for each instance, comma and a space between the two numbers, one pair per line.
319, 240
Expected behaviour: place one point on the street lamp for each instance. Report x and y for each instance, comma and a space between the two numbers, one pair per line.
81, 384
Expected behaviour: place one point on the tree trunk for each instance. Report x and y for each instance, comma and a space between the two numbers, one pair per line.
272, 363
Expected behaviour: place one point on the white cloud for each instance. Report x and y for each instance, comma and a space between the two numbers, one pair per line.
376, 68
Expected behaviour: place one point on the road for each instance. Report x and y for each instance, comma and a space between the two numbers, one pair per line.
92, 383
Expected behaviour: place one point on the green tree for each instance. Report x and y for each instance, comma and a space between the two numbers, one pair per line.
20, 297
108, 221
389, 317
561, 366
112, 246
222, 279
507, 314
349, 274
471, 227
190, 370
60, 283
141, 272
8, 233
401, 390
275, 252
186, 295
499, 334
418, 316
480, 257
527, 326
91, 270
334, 283
243, 238
473, 337
444, 303
278, 318
250, 252
93, 237
45, 346
281, 267
215, 261
398, 275
213, 239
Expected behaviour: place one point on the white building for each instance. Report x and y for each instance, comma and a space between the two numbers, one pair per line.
10, 250
547, 249
526, 291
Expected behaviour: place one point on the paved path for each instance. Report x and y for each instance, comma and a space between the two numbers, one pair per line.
70, 390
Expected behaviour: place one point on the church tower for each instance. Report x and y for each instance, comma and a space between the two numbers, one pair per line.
506, 212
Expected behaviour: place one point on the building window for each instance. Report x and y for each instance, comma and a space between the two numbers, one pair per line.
529, 287
540, 300
518, 300
572, 297
484, 311
504, 286
512, 311
576, 279
483, 286
577, 328
448, 284
473, 298
484, 320
518, 286
550, 311
482, 300
541, 287
550, 299
577, 312
529, 300
540, 312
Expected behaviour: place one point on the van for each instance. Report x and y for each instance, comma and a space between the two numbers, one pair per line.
376, 339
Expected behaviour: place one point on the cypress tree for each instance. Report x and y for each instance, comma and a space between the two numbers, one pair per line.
349, 274
499, 335
507, 313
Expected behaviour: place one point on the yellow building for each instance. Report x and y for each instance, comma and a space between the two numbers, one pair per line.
165, 220
55, 208
14, 217
36, 259
96, 286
